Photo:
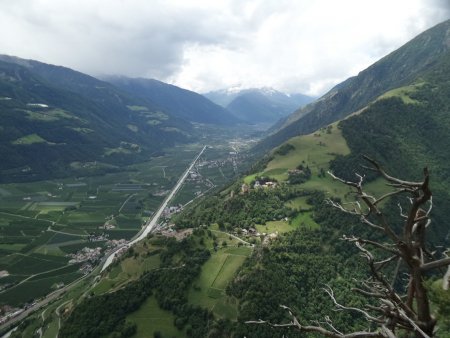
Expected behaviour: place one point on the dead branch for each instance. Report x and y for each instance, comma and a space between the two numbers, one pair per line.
395, 312
317, 329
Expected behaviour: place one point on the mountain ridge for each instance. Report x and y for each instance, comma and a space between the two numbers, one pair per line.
53, 116
180, 102
399, 68
258, 105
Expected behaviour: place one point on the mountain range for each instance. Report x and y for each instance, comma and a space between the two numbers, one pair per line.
55, 120
220, 277
258, 105
179, 102
400, 68
395, 111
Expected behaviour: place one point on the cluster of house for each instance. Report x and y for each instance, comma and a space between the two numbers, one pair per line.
171, 232
86, 254
266, 184
232, 158
249, 232
114, 243
120, 251
168, 211
253, 232
245, 188
210, 164
86, 268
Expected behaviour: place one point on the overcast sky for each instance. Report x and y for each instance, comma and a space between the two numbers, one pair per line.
292, 45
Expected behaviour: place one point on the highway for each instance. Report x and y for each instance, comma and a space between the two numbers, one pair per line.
153, 221
149, 227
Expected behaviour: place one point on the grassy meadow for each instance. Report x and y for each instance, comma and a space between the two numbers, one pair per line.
209, 289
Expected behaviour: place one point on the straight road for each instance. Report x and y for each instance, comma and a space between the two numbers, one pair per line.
153, 221
151, 224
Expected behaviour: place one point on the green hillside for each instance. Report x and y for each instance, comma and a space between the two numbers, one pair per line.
52, 117
400, 68
181, 103
272, 238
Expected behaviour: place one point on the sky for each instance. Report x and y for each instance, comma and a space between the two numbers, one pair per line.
296, 46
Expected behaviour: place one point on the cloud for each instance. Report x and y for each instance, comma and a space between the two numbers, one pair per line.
203, 45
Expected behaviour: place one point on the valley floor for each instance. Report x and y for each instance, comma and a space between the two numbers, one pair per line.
57, 232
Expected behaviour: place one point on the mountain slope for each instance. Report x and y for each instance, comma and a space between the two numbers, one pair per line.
180, 102
53, 118
258, 105
397, 69
405, 130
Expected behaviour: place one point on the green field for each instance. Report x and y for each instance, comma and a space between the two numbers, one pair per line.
315, 150
43, 221
150, 318
32, 289
209, 289
275, 227
403, 93
40, 222
299, 203
146, 258
29, 139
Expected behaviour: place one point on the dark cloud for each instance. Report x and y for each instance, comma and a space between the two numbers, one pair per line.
202, 44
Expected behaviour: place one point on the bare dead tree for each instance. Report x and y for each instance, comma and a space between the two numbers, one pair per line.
395, 313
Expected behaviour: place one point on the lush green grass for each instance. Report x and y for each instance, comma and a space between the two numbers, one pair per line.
12, 247
72, 248
137, 108
304, 219
50, 250
62, 271
299, 203
274, 227
403, 93
58, 238
226, 307
150, 318
30, 290
79, 206
327, 185
209, 288
29, 139
227, 271
31, 264
103, 286
130, 268
315, 150
51, 331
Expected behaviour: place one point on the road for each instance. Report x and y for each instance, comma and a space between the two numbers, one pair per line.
55, 294
153, 221
151, 224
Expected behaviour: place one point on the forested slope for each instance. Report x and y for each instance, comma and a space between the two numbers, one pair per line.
402, 67
54, 119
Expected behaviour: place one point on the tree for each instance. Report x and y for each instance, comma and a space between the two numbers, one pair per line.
393, 312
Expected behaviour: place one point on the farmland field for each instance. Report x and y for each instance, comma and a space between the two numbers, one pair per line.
150, 318
41, 222
209, 289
